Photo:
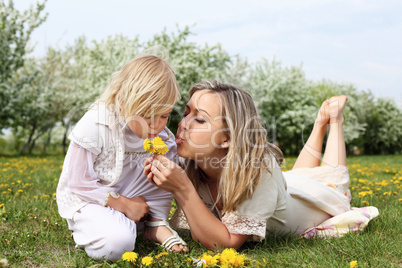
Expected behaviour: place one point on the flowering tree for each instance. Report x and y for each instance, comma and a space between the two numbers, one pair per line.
383, 134
285, 103
15, 32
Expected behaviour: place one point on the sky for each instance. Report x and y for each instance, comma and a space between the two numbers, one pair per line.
352, 41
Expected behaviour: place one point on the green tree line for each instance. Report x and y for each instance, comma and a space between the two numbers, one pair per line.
43, 97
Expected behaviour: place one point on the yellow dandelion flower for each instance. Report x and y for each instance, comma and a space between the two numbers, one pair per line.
20, 191
161, 254
155, 146
210, 260
366, 203
2, 205
159, 146
362, 194
147, 260
353, 264
147, 144
239, 261
228, 256
130, 257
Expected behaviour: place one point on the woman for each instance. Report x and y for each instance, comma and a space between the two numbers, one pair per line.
233, 188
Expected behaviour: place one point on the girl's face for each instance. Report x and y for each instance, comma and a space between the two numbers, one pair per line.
201, 134
148, 127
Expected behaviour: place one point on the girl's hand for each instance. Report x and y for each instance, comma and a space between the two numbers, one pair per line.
135, 208
166, 174
147, 168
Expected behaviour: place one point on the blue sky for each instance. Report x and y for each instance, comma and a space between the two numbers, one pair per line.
354, 41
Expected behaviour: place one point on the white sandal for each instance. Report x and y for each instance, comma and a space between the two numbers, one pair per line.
175, 239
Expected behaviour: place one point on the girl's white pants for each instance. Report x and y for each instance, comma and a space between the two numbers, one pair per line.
103, 232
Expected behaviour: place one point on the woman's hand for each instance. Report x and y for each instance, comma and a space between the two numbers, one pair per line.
166, 174
135, 208
204, 226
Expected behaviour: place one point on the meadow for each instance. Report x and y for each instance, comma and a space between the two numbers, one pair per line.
34, 235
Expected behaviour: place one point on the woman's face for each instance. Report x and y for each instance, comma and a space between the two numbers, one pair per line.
201, 134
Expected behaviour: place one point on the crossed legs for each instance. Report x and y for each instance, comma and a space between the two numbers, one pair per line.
330, 114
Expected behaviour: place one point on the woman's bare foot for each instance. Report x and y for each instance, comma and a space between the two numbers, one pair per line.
336, 106
322, 119
331, 111
160, 234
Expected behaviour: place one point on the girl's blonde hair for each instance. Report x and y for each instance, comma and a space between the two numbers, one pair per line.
249, 155
145, 86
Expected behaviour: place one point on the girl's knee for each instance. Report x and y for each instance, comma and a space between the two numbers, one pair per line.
113, 244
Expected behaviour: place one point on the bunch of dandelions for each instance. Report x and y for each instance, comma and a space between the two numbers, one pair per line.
155, 146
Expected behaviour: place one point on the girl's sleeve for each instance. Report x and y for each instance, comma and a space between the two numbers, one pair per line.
83, 180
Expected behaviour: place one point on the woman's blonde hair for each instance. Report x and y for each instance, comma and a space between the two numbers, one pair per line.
145, 86
249, 155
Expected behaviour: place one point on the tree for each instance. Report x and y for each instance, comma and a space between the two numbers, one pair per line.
285, 103
15, 32
384, 128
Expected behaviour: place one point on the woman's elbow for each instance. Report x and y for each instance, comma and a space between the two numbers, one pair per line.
221, 245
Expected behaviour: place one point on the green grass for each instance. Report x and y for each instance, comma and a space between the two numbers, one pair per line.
33, 234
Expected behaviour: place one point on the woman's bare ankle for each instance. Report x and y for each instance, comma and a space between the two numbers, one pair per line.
320, 127
340, 120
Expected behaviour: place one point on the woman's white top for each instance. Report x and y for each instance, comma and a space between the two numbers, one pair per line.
105, 157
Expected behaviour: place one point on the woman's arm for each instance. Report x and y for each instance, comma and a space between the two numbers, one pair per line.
204, 226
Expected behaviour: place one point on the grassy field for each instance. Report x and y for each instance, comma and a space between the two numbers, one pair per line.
34, 235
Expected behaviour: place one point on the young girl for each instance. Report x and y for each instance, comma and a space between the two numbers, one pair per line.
102, 192
233, 188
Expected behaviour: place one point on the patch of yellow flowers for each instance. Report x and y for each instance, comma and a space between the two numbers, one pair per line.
228, 258
155, 146
133, 258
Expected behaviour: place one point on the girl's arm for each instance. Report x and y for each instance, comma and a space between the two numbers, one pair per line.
83, 181
134, 208
204, 226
